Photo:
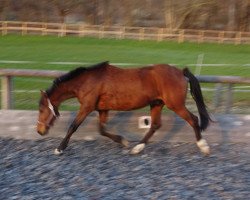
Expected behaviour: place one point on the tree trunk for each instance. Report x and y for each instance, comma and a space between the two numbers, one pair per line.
231, 15
169, 14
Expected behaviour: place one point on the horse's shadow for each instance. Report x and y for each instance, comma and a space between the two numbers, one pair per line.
177, 126
123, 123
119, 123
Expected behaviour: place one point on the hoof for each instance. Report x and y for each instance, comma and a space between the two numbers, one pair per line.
202, 144
58, 152
137, 149
125, 143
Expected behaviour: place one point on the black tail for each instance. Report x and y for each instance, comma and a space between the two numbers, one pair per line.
195, 90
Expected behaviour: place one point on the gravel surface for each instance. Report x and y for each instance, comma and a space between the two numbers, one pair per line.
101, 169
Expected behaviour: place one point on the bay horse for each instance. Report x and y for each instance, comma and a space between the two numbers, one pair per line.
103, 87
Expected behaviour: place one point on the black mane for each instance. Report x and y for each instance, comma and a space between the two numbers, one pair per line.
72, 74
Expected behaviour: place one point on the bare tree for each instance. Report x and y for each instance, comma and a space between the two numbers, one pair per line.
173, 14
89, 10
3, 4
178, 12
24, 10
243, 15
231, 15
128, 7
65, 7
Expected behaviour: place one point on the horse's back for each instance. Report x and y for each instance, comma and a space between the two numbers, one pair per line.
125, 89
143, 73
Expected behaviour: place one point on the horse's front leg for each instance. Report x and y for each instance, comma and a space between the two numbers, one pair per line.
73, 127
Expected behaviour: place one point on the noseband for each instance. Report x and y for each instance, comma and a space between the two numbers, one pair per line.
53, 114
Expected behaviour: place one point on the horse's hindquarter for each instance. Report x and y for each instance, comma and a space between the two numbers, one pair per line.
172, 84
127, 89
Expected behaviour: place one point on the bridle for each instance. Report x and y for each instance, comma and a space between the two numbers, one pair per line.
53, 114
51, 107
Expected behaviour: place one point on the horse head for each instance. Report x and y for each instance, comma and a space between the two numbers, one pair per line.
47, 114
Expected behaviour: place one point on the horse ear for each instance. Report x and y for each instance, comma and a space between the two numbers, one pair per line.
43, 93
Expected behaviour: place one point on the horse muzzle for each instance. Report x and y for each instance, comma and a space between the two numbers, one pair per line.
42, 129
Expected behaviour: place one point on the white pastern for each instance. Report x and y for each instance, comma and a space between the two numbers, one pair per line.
58, 152
137, 149
202, 144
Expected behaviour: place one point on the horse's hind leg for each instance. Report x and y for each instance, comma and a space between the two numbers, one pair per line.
103, 117
184, 113
155, 124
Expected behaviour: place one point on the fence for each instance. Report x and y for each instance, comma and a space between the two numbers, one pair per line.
8, 74
123, 32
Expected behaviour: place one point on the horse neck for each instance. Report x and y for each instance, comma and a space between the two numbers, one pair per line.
59, 94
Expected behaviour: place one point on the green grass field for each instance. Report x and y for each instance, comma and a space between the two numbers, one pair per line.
42, 50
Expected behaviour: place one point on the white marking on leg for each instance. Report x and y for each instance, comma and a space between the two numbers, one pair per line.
58, 152
137, 149
202, 144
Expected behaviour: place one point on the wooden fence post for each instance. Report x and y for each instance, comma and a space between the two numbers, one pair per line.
7, 98
221, 37
62, 31
122, 32
201, 37
81, 30
238, 38
181, 36
141, 36
5, 28
101, 32
160, 34
44, 29
24, 28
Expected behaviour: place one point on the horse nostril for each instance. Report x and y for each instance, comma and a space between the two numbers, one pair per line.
39, 132
42, 131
